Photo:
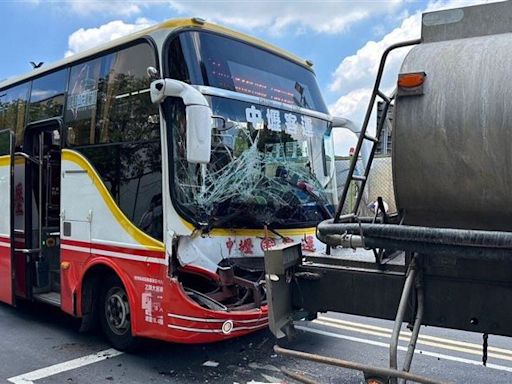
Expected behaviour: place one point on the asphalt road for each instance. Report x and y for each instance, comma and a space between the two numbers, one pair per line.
39, 344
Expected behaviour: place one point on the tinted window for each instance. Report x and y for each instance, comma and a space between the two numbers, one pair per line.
13, 108
111, 120
47, 96
128, 114
109, 99
133, 175
5, 143
236, 66
179, 66
86, 81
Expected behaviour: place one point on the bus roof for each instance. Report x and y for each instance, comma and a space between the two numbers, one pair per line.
169, 24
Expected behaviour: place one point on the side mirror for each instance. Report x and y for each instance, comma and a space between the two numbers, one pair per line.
198, 115
341, 122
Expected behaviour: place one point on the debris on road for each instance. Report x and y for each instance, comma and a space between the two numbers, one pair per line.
211, 363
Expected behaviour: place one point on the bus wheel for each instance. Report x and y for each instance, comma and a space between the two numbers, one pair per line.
115, 315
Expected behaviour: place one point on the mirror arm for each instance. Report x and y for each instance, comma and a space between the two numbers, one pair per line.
198, 115
341, 122
162, 88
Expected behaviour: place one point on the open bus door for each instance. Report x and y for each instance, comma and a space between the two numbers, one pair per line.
36, 223
6, 202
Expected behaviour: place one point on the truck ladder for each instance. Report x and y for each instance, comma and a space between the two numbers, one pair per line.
364, 136
413, 283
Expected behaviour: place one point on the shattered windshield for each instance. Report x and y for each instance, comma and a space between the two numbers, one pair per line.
268, 167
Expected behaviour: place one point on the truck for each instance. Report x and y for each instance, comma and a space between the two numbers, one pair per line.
444, 257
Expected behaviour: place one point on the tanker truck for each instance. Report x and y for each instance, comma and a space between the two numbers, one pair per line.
450, 238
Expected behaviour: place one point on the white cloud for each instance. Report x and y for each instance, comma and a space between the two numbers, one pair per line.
323, 16
350, 103
83, 39
354, 77
276, 16
343, 141
361, 67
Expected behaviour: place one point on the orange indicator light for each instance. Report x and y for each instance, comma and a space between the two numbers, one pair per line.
411, 80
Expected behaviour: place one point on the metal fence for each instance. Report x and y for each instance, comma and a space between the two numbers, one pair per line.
380, 183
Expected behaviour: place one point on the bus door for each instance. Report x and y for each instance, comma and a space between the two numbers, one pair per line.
38, 261
6, 236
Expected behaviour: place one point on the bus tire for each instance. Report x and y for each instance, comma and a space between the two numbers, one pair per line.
115, 315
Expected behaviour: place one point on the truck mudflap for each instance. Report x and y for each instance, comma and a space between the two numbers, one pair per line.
279, 263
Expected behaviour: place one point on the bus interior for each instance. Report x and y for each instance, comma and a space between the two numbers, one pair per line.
38, 260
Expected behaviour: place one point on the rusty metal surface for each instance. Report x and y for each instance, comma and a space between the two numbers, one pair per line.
299, 376
387, 372
452, 156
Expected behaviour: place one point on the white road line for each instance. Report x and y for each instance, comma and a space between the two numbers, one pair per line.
361, 327
30, 377
417, 351
451, 345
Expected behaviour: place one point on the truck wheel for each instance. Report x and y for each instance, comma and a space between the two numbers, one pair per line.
115, 315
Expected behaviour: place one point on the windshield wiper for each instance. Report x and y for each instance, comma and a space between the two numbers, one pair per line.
219, 222
268, 227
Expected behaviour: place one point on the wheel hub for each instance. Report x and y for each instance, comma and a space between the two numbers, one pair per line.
117, 311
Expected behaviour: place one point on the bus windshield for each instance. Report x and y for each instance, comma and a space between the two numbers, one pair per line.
271, 163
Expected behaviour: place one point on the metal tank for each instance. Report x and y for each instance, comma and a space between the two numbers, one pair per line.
452, 145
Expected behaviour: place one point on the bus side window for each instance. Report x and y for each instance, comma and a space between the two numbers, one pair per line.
120, 129
13, 106
85, 80
127, 114
47, 96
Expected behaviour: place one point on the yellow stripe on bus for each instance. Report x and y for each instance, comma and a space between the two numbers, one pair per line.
260, 232
141, 237
5, 160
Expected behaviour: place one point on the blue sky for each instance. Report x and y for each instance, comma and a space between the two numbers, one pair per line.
344, 39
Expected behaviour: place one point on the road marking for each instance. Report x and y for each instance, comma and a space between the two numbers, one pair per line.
437, 342
401, 348
30, 377
408, 334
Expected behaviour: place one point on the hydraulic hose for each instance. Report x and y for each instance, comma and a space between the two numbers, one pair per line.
447, 241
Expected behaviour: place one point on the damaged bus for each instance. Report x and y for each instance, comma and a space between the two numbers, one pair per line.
141, 182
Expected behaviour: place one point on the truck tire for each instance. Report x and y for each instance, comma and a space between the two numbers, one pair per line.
115, 315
